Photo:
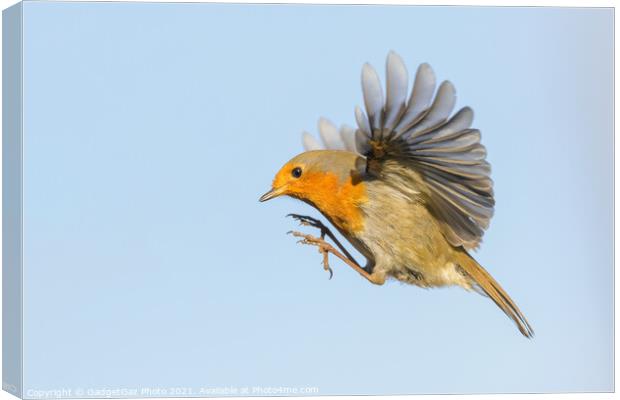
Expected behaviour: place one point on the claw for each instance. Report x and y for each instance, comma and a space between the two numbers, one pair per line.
306, 220
326, 266
323, 248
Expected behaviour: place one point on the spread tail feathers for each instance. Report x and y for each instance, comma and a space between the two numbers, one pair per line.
490, 287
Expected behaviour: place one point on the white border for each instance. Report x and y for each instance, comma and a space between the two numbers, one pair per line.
556, 3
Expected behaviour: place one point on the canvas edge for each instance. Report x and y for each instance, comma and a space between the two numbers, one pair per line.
12, 125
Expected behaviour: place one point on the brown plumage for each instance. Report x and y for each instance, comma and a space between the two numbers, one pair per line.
410, 189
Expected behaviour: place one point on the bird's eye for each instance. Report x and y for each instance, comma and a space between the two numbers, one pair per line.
296, 172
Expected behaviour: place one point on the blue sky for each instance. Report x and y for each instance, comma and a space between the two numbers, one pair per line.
152, 129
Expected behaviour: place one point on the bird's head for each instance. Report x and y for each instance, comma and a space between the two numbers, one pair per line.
316, 175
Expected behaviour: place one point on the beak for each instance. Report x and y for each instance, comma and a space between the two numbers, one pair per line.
275, 192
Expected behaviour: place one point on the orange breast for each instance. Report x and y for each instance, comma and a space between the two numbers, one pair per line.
339, 200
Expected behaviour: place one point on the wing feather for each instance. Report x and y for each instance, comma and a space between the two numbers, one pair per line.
396, 78
310, 143
330, 135
458, 124
361, 142
362, 122
373, 96
420, 100
347, 134
440, 110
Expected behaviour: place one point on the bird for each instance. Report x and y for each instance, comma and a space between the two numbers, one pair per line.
409, 188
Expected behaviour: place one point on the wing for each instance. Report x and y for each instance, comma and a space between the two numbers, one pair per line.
420, 132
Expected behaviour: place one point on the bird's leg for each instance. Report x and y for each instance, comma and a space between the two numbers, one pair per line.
325, 248
325, 231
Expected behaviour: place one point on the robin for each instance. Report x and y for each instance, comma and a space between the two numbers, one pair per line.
410, 188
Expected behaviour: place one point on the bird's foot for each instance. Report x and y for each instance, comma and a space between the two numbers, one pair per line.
305, 220
324, 247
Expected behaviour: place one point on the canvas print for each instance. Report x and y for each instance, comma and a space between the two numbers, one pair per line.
211, 200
